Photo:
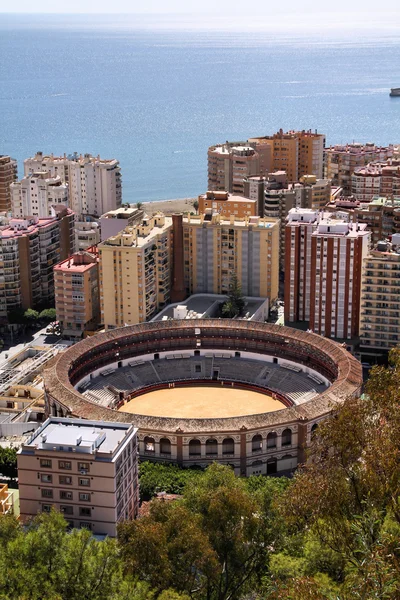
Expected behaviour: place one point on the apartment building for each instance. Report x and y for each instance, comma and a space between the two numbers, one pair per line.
29, 249
135, 272
77, 295
342, 160
85, 469
324, 258
87, 234
114, 221
376, 179
296, 152
94, 184
8, 174
35, 194
215, 247
227, 204
380, 297
230, 163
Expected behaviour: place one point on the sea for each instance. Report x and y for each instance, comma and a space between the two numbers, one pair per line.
156, 94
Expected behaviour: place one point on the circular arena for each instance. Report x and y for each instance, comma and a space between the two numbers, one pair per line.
247, 394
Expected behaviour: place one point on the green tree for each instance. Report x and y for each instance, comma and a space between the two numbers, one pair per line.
48, 314
234, 305
31, 316
195, 205
139, 205
155, 477
8, 462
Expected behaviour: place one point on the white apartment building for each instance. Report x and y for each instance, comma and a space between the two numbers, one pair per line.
85, 469
94, 183
87, 233
36, 193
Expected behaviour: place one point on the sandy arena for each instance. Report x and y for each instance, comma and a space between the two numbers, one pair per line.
201, 402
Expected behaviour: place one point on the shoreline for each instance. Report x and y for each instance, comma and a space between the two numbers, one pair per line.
168, 207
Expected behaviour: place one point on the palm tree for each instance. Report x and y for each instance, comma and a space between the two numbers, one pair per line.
139, 205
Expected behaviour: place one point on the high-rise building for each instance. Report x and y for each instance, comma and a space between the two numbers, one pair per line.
296, 152
87, 470
77, 295
376, 179
215, 248
94, 184
87, 234
227, 204
35, 194
114, 221
323, 272
341, 161
135, 272
29, 249
229, 164
380, 297
8, 174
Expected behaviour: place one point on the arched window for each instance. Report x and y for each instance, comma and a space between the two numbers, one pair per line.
271, 440
165, 446
194, 448
287, 437
211, 448
228, 446
149, 444
314, 429
256, 443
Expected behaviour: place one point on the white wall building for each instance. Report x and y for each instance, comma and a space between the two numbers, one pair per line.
94, 183
36, 193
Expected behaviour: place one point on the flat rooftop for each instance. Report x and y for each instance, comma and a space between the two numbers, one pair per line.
79, 435
206, 305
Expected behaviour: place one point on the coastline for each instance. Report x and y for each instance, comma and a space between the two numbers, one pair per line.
168, 207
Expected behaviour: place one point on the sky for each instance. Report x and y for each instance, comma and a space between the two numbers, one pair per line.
257, 14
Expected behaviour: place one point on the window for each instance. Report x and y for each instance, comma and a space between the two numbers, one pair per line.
46, 508
286, 437
83, 466
47, 493
45, 463
85, 525
46, 478
85, 511
65, 480
84, 481
65, 464
65, 495
84, 497
67, 509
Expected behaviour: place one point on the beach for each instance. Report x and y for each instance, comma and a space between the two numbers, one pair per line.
168, 207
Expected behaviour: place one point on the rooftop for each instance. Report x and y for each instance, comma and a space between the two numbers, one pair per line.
79, 435
77, 263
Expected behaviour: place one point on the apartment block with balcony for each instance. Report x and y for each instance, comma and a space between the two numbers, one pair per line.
87, 234
8, 174
94, 184
227, 204
85, 469
380, 298
324, 257
229, 164
29, 248
215, 248
342, 160
77, 295
135, 272
376, 179
36, 193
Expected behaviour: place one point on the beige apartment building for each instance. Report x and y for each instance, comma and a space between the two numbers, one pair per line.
35, 194
342, 160
215, 247
227, 204
376, 179
230, 163
77, 296
135, 272
94, 183
324, 258
296, 152
29, 249
8, 174
380, 297
87, 470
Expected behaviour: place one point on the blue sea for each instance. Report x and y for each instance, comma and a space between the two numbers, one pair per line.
156, 97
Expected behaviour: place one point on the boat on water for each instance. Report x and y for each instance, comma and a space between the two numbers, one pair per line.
395, 92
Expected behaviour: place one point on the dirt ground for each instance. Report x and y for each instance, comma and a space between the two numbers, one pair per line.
202, 403
169, 206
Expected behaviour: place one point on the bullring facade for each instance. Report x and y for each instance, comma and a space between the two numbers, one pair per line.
305, 373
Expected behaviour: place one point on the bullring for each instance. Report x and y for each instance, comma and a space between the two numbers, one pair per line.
102, 376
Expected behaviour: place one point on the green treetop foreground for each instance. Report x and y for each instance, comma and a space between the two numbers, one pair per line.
330, 533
